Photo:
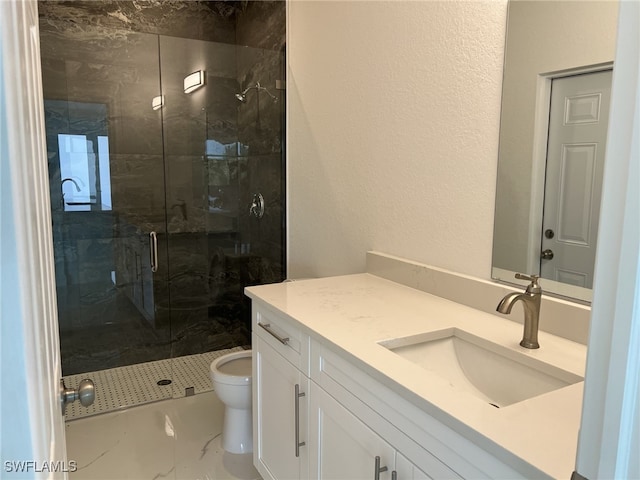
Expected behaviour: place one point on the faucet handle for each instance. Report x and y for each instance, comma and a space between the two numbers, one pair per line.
533, 287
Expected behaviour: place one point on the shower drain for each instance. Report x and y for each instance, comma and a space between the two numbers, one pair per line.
163, 382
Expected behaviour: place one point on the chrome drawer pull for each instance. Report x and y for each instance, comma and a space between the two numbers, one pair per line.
267, 326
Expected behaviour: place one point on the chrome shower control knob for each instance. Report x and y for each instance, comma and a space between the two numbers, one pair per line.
257, 206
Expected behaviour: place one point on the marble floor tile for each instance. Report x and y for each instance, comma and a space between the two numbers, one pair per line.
171, 439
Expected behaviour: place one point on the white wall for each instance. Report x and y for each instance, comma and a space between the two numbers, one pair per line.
393, 125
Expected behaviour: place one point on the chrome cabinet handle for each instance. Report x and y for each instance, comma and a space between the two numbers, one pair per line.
153, 251
298, 394
379, 469
267, 327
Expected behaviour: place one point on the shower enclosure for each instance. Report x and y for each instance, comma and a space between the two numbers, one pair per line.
167, 191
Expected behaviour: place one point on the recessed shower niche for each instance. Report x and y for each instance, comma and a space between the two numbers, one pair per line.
152, 183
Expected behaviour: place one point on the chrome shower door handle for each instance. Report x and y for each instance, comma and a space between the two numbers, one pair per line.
298, 394
153, 251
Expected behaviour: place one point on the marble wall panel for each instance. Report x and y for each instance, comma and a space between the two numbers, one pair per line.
206, 294
260, 119
208, 113
186, 187
267, 233
184, 55
261, 34
262, 25
204, 20
54, 77
137, 190
83, 247
75, 41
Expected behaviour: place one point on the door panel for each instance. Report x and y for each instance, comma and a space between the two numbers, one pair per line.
274, 409
344, 447
578, 121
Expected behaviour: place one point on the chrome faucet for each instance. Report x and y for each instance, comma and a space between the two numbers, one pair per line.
63, 182
531, 304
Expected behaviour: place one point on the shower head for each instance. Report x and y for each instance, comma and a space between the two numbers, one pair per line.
242, 96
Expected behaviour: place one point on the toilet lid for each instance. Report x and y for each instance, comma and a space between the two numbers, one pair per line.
239, 366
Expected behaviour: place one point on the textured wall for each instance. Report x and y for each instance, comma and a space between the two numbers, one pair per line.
393, 133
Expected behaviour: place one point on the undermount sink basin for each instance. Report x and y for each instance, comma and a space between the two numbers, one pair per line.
491, 372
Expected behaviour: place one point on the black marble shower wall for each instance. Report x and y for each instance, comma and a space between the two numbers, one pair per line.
187, 171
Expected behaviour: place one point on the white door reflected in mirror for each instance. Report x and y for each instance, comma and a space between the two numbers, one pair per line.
578, 120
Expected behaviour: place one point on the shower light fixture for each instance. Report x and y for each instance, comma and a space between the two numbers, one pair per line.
194, 81
158, 102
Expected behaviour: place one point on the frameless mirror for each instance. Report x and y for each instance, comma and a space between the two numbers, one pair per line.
556, 87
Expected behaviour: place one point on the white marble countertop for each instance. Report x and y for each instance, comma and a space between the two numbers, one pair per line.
351, 314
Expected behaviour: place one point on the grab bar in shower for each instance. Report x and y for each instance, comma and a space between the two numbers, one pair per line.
153, 251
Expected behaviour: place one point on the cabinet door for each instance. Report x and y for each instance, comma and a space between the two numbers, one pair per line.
341, 446
274, 415
405, 470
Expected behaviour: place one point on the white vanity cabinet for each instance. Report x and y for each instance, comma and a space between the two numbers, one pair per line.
342, 417
280, 399
344, 447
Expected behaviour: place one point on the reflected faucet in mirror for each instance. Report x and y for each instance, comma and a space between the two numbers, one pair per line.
62, 189
531, 303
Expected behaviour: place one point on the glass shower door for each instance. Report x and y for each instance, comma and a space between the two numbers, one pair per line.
220, 152
106, 165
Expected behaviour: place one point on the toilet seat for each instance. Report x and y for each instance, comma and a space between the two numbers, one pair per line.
232, 369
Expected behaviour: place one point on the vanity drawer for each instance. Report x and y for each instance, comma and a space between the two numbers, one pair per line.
283, 335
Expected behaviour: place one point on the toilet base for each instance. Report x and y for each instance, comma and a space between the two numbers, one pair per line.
237, 433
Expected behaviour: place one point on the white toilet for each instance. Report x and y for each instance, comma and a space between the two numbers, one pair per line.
231, 376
